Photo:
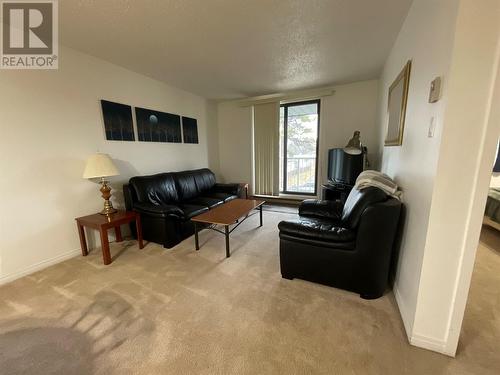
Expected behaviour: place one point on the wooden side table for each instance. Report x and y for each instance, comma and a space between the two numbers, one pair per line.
102, 223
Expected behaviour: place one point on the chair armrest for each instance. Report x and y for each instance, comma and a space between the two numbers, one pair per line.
321, 209
227, 188
315, 229
158, 211
379, 228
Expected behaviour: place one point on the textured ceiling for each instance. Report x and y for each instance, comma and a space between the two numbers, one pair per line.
236, 48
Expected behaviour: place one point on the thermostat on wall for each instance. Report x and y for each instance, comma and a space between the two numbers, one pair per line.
435, 93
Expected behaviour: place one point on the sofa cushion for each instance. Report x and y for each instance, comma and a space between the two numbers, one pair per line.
234, 189
222, 196
317, 229
191, 210
205, 201
159, 189
194, 183
357, 202
151, 209
204, 179
186, 185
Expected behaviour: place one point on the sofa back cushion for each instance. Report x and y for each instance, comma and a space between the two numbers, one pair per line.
186, 185
191, 184
159, 189
171, 188
205, 180
357, 202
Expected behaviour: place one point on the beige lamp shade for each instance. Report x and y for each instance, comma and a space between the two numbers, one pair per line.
100, 165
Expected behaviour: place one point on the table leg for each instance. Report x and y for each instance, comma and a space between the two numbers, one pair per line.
228, 254
196, 243
260, 214
118, 234
106, 256
138, 227
83, 241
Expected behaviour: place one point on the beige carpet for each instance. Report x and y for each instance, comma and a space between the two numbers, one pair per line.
156, 311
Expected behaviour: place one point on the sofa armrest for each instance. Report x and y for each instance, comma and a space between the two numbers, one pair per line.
127, 196
158, 211
227, 188
321, 209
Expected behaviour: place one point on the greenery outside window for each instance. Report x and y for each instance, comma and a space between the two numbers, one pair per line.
298, 153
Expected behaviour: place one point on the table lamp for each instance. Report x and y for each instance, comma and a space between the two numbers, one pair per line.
354, 146
101, 166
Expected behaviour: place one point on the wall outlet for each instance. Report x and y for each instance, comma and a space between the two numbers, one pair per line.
432, 127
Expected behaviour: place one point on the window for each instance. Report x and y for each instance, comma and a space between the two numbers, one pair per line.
299, 129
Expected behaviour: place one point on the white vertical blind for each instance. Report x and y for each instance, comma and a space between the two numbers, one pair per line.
266, 148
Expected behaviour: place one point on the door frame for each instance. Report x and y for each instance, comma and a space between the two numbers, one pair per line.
487, 153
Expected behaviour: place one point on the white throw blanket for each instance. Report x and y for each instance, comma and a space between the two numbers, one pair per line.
379, 180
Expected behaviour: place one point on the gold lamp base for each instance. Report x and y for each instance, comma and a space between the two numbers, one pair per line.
106, 195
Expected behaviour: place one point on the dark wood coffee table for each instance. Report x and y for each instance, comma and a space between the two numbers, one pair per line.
227, 214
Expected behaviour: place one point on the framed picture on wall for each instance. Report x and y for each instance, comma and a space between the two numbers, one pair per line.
190, 129
118, 124
396, 107
155, 126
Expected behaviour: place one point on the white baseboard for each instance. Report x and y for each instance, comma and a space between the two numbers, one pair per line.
415, 339
38, 266
403, 310
429, 343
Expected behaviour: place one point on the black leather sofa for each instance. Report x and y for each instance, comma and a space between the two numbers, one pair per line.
348, 246
167, 202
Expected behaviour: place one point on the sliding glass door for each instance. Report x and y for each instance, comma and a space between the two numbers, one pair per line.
299, 130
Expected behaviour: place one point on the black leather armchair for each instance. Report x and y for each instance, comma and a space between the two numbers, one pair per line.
167, 202
348, 246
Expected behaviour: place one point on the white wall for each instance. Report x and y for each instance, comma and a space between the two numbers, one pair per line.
235, 142
470, 133
352, 107
495, 180
50, 123
213, 138
426, 38
438, 175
